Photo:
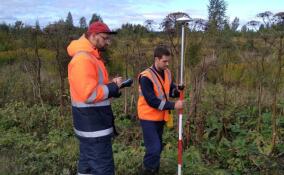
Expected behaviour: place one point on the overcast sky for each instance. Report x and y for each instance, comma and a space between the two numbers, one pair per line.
118, 12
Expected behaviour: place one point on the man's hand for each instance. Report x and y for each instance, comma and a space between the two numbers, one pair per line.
117, 81
179, 104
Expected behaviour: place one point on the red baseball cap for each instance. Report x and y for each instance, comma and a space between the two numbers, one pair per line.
99, 27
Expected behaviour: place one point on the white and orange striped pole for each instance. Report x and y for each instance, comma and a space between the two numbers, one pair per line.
183, 21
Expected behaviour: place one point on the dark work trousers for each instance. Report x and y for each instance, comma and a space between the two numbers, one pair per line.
152, 134
96, 156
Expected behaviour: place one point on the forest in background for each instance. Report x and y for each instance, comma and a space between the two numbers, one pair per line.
234, 79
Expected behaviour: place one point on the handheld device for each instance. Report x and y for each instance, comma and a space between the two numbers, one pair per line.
126, 83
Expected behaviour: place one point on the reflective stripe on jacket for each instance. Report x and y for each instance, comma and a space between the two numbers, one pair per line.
145, 111
88, 79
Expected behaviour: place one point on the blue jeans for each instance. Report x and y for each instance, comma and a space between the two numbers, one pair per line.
152, 134
96, 156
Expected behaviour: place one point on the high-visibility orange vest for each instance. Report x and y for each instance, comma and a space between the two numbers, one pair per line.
145, 111
87, 75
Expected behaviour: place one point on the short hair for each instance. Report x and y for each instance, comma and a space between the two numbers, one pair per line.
161, 50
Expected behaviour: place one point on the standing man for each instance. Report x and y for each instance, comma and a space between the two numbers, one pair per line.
155, 88
91, 91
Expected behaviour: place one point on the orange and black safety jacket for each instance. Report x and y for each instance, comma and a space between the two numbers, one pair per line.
90, 90
153, 86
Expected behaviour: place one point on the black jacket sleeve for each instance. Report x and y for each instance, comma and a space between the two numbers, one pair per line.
113, 90
147, 89
174, 91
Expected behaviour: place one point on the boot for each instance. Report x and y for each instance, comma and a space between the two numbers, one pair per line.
146, 171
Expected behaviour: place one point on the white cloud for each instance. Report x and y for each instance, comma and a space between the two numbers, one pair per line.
115, 13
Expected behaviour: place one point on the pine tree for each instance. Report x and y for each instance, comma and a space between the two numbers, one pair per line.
217, 14
69, 20
235, 24
37, 26
95, 18
83, 23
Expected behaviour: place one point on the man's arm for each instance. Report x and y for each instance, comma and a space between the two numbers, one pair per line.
147, 89
85, 83
174, 91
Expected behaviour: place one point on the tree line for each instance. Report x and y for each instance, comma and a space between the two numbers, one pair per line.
233, 77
